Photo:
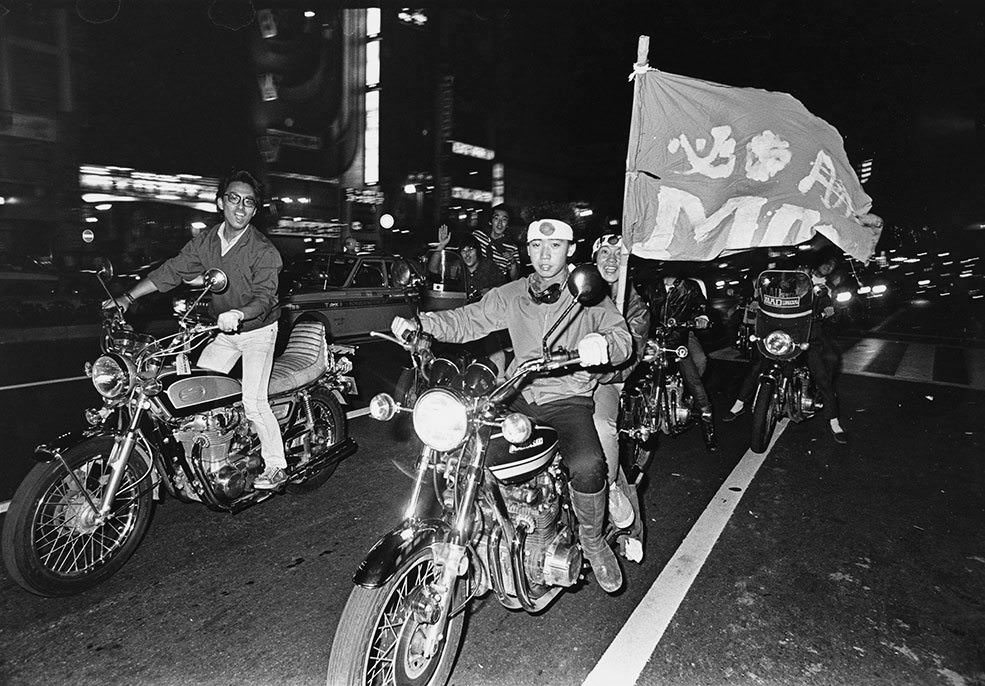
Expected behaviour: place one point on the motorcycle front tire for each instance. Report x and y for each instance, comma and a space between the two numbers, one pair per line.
764, 416
378, 633
51, 545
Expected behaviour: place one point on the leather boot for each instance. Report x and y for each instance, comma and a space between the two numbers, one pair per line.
590, 510
708, 430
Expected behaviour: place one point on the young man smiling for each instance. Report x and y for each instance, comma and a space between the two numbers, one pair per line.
248, 305
526, 308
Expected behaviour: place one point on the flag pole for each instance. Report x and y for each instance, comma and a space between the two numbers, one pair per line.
641, 65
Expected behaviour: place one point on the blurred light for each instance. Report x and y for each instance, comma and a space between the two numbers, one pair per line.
387, 221
91, 220
3, 200
304, 201
923, 282
722, 265
287, 200
843, 297
319, 240
584, 212
88, 236
102, 207
373, 16
943, 254
410, 188
864, 289
613, 222
199, 225
371, 134
913, 260
309, 14
964, 275
719, 284
309, 250
879, 289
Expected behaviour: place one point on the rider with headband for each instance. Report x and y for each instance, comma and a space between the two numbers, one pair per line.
527, 307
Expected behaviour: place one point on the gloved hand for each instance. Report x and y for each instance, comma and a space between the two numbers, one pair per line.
400, 326
828, 311
701, 322
593, 350
229, 321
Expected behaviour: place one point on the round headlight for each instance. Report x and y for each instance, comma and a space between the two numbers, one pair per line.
440, 419
110, 376
778, 343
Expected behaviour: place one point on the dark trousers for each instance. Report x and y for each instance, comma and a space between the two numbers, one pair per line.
693, 383
822, 359
577, 438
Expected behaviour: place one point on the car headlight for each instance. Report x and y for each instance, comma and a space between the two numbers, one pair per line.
778, 343
879, 288
844, 296
440, 419
111, 376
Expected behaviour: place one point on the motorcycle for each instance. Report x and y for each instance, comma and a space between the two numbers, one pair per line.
655, 400
505, 523
164, 426
783, 331
746, 328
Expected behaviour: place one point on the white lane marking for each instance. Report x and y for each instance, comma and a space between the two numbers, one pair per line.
917, 362
362, 412
858, 357
626, 657
41, 383
975, 358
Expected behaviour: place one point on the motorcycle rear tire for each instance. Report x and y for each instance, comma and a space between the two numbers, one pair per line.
330, 418
380, 622
49, 507
764, 416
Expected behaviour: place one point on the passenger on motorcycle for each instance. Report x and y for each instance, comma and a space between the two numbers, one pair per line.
607, 252
682, 300
527, 307
248, 305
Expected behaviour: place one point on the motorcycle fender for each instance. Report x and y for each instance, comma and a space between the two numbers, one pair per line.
390, 551
772, 375
46, 452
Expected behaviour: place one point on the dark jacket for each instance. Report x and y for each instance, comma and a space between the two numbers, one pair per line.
252, 266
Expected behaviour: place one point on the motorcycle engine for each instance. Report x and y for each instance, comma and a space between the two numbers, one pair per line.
550, 556
680, 403
210, 438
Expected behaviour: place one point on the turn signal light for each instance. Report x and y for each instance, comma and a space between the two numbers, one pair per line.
517, 428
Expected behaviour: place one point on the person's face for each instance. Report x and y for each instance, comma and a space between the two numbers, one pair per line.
825, 268
470, 256
549, 256
669, 282
500, 222
607, 260
234, 205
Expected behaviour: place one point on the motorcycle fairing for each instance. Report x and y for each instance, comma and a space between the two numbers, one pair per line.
389, 552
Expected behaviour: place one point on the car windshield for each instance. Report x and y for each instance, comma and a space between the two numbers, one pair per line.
327, 271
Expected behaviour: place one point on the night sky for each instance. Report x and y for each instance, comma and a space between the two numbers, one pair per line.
902, 80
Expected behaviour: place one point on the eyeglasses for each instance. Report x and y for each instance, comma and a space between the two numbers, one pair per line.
235, 199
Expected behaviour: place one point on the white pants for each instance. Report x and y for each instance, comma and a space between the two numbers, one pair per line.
257, 349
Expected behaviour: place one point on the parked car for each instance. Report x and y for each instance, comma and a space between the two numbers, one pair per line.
350, 294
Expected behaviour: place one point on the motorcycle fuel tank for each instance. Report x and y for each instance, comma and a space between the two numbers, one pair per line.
513, 464
202, 390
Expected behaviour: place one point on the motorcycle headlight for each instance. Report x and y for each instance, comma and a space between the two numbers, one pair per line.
111, 376
440, 419
778, 343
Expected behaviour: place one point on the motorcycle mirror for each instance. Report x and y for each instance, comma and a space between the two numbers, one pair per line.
402, 273
216, 280
104, 268
586, 284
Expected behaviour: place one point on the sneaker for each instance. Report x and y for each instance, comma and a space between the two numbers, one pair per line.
620, 509
730, 415
272, 477
840, 437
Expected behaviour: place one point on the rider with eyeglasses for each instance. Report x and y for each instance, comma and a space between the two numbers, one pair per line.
246, 312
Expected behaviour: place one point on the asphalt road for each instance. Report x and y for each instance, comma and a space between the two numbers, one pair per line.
857, 565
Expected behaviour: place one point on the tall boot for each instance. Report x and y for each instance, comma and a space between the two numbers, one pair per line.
590, 511
708, 430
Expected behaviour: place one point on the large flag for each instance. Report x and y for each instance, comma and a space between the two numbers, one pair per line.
714, 169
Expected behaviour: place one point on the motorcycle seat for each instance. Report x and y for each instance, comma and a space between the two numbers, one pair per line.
303, 360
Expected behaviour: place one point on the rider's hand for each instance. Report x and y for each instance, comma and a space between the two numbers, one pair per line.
229, 321
401, 326
828, 311
123, 302
444, 235
702, 322
593, 350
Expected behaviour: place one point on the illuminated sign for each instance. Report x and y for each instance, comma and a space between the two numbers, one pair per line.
147, 185
460, 193
472, 150
364, 196
20, 125
321, 229
296, 140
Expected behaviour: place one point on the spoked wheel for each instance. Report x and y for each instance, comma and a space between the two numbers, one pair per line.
53, 543
764, 416
380, 639
330, 429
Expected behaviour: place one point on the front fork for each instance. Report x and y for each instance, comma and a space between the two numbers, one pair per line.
450, 556
118, 459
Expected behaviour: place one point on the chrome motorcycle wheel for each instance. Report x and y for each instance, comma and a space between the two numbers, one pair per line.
380, 637
53, 543
330, 429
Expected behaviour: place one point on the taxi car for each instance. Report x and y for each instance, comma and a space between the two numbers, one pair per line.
350, 294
